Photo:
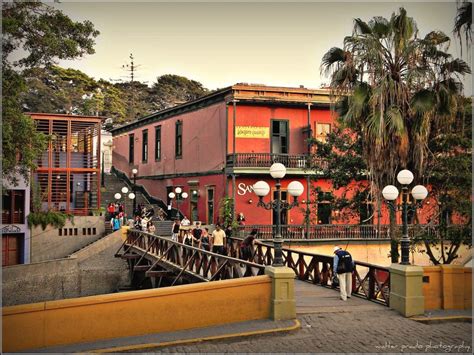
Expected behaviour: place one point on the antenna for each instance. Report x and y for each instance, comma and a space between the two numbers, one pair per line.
132, 69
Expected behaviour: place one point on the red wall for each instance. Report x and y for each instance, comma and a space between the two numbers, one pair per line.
203, 144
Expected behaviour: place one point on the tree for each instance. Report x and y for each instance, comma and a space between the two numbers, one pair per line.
463, 22
34, 34
394, 89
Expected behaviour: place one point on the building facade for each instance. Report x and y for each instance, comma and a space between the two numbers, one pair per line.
68, 174
15, 232
221, 144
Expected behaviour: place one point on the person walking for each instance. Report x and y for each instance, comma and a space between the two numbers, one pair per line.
204, 242
218, 240
246, 246
116, 223
197, 232
343, 265
175, 230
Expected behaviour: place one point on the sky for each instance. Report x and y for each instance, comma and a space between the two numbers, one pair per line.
223, 43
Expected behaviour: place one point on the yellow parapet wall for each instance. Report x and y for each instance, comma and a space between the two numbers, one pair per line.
447, 287
77, 320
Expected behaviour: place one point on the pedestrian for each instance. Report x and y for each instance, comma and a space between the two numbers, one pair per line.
241, 219
246, 246
144, 226
121, 208
343, 265
111, 210
138, 223
175, 230
218, 240
185, 221
204, 242
197, 232
151, 227
116, 223
188, 238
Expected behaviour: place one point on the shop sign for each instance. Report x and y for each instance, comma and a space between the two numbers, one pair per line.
252, 132
242, 189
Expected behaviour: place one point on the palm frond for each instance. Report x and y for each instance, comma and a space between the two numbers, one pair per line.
423, 101
333, 56
361, 27
456, 66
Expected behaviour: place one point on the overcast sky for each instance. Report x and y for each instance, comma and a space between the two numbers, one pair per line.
222, 43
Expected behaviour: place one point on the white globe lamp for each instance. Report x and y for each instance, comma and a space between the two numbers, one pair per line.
134, 171
117, 196
419, 192
171, 195
184, 195
278, 171
261, 188
131, 195
124, 189
295, 188
390, 193
405, 177
178, 190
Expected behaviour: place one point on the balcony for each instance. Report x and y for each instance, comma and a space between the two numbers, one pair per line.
265, 160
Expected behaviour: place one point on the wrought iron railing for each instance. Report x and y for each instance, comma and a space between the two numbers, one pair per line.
149, 252
335, 231
265, 160
368, 281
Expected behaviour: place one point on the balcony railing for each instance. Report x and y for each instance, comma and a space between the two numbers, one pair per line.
334, 231
265, 160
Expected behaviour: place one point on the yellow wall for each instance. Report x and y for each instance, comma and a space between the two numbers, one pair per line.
449, 287
86, 319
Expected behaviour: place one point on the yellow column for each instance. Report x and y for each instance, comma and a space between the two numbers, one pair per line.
453, 286
283, 304
406, 289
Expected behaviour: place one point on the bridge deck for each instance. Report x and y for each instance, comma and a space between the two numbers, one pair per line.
318, 299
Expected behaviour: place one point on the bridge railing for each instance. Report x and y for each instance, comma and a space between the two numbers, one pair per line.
334, 231
369, 281
152, 253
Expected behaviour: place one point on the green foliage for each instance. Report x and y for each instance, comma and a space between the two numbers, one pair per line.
34, 34
226, 212
43, 219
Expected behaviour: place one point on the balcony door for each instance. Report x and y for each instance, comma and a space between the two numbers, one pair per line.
280, 137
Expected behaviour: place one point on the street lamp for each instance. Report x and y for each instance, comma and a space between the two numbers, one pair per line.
179, 194
261, 189
134, 172
419, 193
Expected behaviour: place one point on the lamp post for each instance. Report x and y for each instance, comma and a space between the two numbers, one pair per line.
134, 172
390, 194
179, 194
124, 190
261, 189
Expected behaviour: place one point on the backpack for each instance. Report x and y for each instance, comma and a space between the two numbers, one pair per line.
344, 263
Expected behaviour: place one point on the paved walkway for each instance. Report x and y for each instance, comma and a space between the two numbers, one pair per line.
324, 324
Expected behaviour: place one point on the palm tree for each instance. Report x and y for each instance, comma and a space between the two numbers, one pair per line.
392, 89
463, 22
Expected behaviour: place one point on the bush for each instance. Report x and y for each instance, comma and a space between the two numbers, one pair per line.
56, 219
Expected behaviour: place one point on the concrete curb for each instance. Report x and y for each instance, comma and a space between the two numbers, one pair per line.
295, 326
437, 320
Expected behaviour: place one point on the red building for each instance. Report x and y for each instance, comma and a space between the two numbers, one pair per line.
221, 144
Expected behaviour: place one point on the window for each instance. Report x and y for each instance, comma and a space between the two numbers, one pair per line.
179, 139
322, 130
13, 207
131, 147
145, 145
279, 143
210, 205
158, 143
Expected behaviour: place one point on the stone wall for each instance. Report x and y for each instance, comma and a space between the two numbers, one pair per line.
53, 243
92, 271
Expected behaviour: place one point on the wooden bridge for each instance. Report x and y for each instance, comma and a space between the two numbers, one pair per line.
156, 258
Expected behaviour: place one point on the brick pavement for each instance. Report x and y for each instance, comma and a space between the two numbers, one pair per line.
356, 326
369, 331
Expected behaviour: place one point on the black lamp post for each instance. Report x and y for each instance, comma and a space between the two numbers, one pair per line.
180, 195
261, 189
102, 176
134, 172
419, 193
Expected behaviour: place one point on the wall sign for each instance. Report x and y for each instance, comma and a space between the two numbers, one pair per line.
11, 229
242, 189
252, 132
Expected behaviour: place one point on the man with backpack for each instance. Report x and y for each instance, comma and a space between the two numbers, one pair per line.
343, 265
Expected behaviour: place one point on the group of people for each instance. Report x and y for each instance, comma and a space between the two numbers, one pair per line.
117, 215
